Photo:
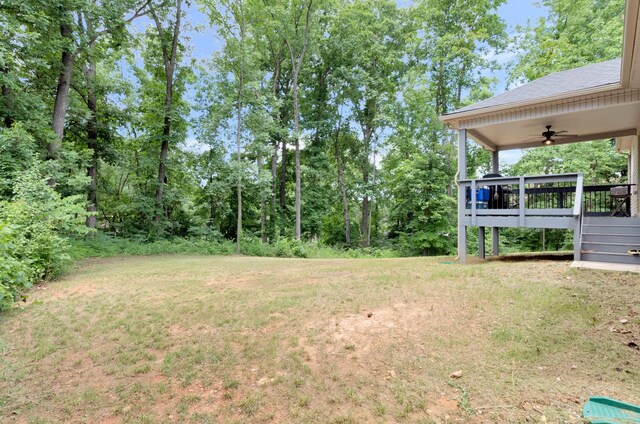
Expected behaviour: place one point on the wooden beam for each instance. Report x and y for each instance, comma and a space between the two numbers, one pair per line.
629, 41
495, 231
462, 175
482, 140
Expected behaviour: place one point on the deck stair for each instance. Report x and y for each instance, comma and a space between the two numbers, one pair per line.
610, 239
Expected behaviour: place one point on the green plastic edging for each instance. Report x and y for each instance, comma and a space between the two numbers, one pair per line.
604, 410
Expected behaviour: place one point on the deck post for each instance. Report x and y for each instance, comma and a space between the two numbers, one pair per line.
521, 203
462, 175
495, 231
577, 240
481, 248
577, 215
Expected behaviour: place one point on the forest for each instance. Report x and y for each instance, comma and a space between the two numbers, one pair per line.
315, 122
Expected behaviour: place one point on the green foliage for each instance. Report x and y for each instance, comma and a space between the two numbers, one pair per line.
40, 218
333, 230
103, 245
597, 160
16, 155
457, 39
422, 212
374, 157
14, 274
573, 33
107, 246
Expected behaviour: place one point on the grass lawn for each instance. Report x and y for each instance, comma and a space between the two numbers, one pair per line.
243, 339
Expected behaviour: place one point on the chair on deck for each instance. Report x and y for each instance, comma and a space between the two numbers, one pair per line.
619, 196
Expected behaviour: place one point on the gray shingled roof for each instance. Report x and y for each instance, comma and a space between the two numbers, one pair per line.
590, 76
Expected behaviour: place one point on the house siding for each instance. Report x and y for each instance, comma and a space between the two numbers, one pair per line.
634, 176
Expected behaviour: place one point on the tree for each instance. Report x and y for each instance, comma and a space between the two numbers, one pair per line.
297, 55
371, 33
94, 23
597, 160
239, 58
573, 33
457, 37
168, 38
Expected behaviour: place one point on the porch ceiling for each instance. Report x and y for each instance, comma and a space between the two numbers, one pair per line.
591, 120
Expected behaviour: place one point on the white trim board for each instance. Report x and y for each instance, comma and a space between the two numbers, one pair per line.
606, 266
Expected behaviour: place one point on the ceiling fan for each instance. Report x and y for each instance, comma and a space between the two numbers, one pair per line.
549, 136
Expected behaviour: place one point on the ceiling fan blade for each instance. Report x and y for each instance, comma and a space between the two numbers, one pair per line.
566, 135
538, 138
560, 132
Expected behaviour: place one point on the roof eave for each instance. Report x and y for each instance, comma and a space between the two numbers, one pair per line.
453, 119
629, 41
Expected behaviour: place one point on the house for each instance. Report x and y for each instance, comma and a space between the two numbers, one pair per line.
599, 101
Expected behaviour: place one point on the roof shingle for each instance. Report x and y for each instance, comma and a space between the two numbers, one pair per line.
586, 77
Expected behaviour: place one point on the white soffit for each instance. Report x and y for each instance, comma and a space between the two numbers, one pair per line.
521, 130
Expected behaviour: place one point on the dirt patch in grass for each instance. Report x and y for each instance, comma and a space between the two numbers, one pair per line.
233, 339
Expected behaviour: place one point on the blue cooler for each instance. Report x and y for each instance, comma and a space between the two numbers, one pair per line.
482, 197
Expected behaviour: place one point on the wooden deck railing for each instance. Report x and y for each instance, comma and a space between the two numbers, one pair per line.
545, 201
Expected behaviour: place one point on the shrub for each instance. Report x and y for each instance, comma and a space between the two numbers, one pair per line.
16, 155
14, 275
41, 217
33, 226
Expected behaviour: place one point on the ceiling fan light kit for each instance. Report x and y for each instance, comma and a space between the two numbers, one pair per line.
549, 137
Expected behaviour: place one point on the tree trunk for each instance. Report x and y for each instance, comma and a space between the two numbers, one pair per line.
283, 184
278, 57
274, 189
296, 125
169, 59
62, 92
212, 204
239, 158
343, 190
92, 144
296, 65
364, 224
263, 208
164, 154
7, 101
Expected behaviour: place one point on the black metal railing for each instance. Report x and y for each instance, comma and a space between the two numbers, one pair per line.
597, 200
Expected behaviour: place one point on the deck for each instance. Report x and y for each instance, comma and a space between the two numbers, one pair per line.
546, 201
